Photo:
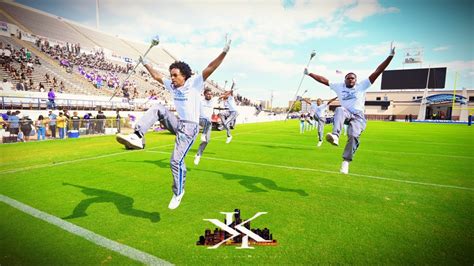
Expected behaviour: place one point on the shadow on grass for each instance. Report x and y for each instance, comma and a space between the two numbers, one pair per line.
287, 147
252, 183
123, 203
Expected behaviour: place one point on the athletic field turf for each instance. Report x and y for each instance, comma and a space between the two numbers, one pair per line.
408, 198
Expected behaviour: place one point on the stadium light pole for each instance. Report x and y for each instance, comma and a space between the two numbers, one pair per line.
154, 42
301, 82
97, 13
271, 101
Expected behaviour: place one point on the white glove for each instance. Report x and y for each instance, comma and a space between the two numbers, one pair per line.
143, 61
227, 44
306, 72
392, 49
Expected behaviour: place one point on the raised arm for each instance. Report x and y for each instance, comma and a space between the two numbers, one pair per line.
332, 100
318, 78
156, 75
225, 94
306, 100
216, 62
382, 66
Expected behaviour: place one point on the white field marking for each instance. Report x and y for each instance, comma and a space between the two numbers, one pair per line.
99, 240
375, 140
89, 158
330, 172
73, 161
363, 150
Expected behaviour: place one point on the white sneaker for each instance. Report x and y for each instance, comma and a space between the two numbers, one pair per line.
345, 167
131, 141
197, 158
333, 139
229, 139
175, 201
320, 143
203, 138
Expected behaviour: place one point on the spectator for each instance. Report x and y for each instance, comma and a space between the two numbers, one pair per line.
30, 85
41, 128
20, 137
51, 98
87, 123
61, 124
20, 86
75, 121
37, 61
5, 118
25, 125
6, 85
2, 125
52, 123
41, 87
118, 121
61, 87
101, 122
14, 123
7, 54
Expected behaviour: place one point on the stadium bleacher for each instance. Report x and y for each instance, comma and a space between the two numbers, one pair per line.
35, 28
43, 24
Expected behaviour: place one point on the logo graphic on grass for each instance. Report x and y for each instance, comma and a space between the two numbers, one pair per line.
236, 232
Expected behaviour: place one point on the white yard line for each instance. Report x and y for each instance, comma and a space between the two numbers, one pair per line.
296, 134
363, 150
73, 161
46, 165
329, 172
99, 240
256, 163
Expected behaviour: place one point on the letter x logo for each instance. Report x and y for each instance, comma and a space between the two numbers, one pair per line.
235, 232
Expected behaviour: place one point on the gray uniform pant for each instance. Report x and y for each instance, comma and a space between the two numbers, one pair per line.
227, 118
185, 131
185, 135
206, 131
357, 124
321, 121
157, 113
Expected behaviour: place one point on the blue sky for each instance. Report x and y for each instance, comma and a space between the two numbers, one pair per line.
272, 40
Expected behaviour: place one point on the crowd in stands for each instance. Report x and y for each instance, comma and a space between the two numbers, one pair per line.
242, 100
23, 74
94, 67
53, 125
18, 66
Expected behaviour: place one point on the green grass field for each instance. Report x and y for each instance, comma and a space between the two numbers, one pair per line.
408, 198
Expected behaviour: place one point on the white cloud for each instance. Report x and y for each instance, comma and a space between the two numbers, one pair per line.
355, 34
266, 21
264, 35
457, 65
363, 53
440, 48
366, 8
344, 57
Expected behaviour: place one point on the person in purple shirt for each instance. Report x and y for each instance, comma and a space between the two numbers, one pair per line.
51, 98
99, 81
